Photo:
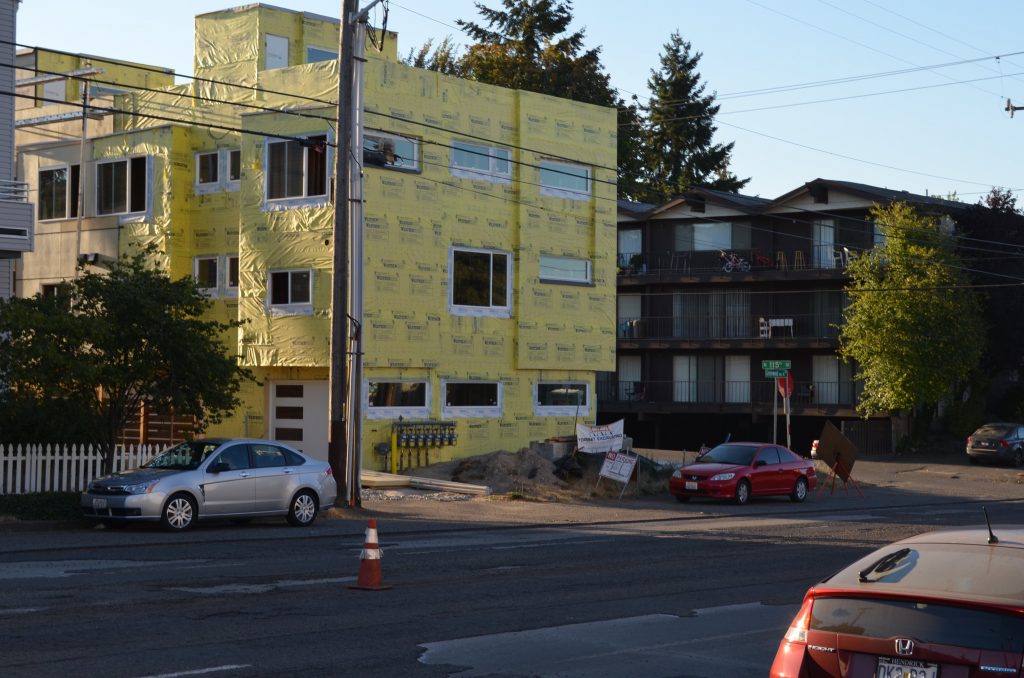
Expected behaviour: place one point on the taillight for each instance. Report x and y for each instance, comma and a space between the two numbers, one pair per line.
970, 439
329, 471
1003, 443
797, 632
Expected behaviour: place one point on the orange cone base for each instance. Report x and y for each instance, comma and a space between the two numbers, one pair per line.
370, 575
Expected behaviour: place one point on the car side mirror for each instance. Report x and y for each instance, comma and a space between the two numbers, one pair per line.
760, 462
219, 467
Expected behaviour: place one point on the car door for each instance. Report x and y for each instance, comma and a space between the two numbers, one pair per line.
765, 476
230, 489
275, 480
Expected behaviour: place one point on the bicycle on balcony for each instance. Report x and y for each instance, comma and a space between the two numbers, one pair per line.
733, 262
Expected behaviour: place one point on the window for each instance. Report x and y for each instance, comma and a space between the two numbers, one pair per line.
277, 52
395, 398
206, 168
562, 398
564, 180
58, 197
231, 285
236, 457
382, 149
472, 399
564, 269
268, 456
121, 186
205, 273
630, 245
234, 164
711, 237
291, 288
475, 161
297, 169
480, 283
314, 54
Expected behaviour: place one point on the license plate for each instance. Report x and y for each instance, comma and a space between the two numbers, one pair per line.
691, 485
99, 503
894, 667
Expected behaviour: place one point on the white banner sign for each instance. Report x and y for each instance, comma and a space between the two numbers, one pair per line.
599, 439
618, 466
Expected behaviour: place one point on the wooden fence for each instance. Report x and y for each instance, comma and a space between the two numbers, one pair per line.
61, 468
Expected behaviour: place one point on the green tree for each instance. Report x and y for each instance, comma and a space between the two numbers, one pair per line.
913, 326
82, 363
442, 58
679, 146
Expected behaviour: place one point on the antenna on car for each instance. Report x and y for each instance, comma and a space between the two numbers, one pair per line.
992, 539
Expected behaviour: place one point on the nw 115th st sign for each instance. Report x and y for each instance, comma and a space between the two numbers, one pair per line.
776, 365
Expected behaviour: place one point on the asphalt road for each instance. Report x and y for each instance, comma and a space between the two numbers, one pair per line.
481, 588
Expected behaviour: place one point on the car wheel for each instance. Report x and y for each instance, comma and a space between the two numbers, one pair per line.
973, 460
302, 511
742, 492
1018, 457
799, 490
682, 499
179, 513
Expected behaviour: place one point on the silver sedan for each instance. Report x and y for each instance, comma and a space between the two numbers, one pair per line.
215, 478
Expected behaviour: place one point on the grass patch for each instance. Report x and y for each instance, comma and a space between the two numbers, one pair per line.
41, 506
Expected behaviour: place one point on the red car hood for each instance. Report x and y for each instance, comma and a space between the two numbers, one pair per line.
710, 469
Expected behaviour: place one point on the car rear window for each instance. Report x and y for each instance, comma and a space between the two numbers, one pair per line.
995, 430
924, 622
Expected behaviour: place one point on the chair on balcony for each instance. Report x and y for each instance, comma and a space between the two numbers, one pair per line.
838, 261
780, 260
766, 329
798, 260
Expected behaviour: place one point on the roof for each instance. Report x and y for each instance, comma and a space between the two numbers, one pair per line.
876, 193
633, 208
958, 565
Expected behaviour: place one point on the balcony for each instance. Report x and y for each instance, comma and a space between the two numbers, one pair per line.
824, 262
16, 218
739, 327
809, 397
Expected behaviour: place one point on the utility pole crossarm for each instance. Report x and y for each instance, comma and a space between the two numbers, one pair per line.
1010, 108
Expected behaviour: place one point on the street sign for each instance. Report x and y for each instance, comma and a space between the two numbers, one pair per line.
776, 365
774, 374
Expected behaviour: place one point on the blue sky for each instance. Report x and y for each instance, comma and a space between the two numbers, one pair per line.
938, 134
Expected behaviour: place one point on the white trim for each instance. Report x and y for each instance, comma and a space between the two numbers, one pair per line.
68, 197
491, 174
377, 133
471, 411
204, 187
589, 273
214, 291
559, 192
304, 200
291, 308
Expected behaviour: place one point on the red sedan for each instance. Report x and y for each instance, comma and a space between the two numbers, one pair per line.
945, 604
739, 471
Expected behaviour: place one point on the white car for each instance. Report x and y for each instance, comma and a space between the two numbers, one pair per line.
215, 478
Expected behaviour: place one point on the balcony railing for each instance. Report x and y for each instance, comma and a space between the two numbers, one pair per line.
758, 392
731, 326
818, 257
13, 191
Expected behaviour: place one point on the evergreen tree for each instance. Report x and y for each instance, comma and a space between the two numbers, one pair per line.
680, 151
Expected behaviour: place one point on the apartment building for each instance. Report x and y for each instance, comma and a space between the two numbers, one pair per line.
693, 338
490, 231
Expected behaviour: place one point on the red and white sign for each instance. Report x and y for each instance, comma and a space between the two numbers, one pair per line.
785, 385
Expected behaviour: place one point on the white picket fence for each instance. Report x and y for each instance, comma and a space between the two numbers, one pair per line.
61, 468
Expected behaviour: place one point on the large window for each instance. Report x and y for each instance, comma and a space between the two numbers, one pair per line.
204, 269
387, 399
297, 169
481, 283
564, 398
564, 180
476, 161
472, 399
58, 193
565, 269
219, 170
291, 290
121, 186
383, 149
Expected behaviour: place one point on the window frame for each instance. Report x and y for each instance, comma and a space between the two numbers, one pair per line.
559, 168
566, 280
223, 182
197, 262
471, 411
130, 178
291, 307
229, 289
216, 181
305, 198
381, 134
491, 174
72, 179
394, 412
492, 310
541, 410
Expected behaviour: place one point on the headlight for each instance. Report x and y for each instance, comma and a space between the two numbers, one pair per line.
723, 476
141, 488
677, 474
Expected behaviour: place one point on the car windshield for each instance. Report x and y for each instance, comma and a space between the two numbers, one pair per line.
994, 430
729, 454
183, 457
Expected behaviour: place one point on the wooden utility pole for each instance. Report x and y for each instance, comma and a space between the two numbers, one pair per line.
337, 449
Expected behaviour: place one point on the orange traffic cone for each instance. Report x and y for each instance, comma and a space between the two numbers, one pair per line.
370, 577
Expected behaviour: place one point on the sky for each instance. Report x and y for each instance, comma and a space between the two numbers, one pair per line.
907, 95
